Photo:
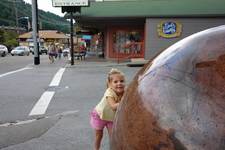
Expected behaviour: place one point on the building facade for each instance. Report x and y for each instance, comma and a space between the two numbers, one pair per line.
45, 36
141, 29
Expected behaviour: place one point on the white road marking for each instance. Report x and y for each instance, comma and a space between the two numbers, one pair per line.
42, 104
8, 73
57, 77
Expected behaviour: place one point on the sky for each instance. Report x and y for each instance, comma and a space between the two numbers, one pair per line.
46, 5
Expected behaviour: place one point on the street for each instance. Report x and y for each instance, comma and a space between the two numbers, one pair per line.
66, 95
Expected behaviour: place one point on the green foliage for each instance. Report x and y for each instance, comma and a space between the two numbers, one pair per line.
8, 38
49, 20
11, 35
3, 36
12, 42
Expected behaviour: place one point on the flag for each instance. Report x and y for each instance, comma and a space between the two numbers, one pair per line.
28, 25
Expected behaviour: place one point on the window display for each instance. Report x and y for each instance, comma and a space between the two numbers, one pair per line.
124, 37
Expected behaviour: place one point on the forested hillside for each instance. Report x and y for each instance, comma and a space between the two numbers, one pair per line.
49, 20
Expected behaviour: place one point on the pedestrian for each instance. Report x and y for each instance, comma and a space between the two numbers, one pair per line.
11, 48
96, 45
83, 49
103, 114
56, 51
51, 52
59, 53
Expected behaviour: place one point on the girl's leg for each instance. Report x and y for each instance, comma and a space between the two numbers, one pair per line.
109, 130
98, 138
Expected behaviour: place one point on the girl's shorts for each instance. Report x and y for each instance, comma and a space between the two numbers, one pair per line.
97, 122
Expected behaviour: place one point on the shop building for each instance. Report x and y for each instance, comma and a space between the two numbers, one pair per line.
141, 29
46, 36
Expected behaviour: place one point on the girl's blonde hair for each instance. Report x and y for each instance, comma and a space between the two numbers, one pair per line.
111, 74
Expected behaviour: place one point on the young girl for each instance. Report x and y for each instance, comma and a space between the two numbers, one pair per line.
104, 112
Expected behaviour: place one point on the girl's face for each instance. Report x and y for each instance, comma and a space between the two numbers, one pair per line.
117, 84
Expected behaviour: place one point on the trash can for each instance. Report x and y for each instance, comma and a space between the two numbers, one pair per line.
100, 54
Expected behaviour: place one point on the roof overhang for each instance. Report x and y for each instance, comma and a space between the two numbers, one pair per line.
102, 21
136, 12
31, 40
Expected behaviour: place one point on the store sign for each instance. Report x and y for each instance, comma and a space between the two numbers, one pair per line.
86, 37
169, 29
60, 3
85, 30
50, 40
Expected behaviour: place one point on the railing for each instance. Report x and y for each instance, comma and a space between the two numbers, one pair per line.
131, 50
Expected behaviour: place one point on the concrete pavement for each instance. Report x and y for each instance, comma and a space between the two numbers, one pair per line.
70, 129
92, 59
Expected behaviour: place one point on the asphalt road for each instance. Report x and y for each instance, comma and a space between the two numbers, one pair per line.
64, 125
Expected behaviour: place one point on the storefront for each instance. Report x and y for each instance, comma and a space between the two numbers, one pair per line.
129, 29
123, 35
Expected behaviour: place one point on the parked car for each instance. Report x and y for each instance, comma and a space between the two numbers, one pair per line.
20, 50
32, 51
66, 52
43, 49
3, 50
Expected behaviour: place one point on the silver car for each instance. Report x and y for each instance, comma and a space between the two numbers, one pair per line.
20, 50
3, 50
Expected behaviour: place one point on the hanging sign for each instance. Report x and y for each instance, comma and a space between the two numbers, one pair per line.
60, 3
85, 30
169, 29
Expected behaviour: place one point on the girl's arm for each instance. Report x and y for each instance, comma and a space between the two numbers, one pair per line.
113, 105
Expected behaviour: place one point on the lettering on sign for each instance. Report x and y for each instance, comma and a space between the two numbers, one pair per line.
59, 3
169, 29
85, 30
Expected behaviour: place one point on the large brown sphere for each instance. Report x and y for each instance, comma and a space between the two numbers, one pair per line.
177, 100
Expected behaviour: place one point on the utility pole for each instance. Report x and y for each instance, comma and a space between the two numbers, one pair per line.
71, 38
71, 10
16, 14
35, 32
17, 25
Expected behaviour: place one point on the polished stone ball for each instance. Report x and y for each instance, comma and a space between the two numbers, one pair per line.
177, 100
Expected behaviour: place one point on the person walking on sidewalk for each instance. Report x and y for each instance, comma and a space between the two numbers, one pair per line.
56, 51
59, 53
51, 52
103, 114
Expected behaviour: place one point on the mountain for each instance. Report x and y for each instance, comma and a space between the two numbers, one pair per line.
48, 20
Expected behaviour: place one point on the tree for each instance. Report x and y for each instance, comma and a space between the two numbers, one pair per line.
11, 35
3, 36
12, 42
11, 39
8, 38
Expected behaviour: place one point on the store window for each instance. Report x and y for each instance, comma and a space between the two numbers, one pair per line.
124, 37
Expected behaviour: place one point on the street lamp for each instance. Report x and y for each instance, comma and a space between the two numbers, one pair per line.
27, 21
17, 26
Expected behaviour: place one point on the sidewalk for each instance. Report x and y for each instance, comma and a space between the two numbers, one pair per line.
92, 59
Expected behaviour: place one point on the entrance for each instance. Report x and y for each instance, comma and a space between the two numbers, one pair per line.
120, 36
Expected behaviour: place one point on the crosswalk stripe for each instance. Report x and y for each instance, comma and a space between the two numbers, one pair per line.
57, 77
42, 104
